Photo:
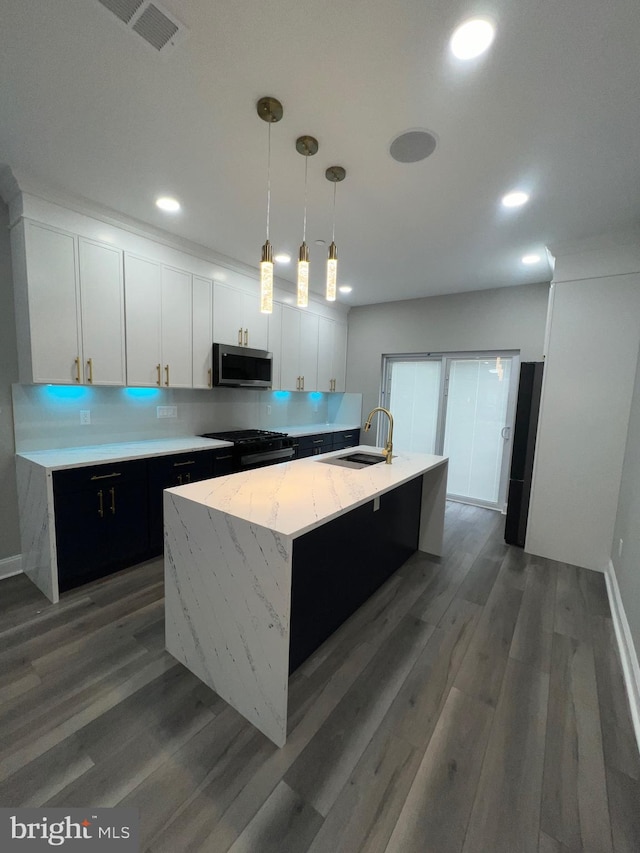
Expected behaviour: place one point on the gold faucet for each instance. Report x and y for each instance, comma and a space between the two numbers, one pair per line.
388, 448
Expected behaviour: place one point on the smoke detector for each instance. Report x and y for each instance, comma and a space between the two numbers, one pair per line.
158, 27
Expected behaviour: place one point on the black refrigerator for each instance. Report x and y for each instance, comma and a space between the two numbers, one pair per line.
524, 445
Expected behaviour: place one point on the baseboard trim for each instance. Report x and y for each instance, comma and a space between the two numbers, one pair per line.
10, 566
628, 655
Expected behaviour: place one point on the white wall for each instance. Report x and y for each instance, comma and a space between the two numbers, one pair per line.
508, 318
594, 335
627, 523
9, 532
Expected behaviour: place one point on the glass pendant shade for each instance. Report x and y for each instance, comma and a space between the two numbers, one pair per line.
332, 272
303, 276
266, 279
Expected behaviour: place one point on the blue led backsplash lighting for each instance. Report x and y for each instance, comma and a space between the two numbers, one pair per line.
141, 393
66, 392
315, 395
281, 395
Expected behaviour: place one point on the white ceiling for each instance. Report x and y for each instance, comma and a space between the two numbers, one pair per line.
553, 108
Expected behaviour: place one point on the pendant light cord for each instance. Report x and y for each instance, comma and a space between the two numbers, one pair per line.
304, 221
268, 178
333, 231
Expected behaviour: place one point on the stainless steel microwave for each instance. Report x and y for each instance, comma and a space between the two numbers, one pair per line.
241, 367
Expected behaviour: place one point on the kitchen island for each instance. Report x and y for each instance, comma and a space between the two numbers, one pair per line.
261, 566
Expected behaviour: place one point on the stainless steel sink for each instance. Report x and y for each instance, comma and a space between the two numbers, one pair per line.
355, 460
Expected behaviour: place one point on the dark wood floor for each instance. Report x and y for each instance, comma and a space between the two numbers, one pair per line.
474, 704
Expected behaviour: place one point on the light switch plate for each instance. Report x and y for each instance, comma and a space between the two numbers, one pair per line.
85, 416
167, 411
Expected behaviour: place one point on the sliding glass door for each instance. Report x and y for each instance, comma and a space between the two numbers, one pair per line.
461, 406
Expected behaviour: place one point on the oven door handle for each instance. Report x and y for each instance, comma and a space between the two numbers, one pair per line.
267, 456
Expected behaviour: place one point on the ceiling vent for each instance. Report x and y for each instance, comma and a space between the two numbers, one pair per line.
413, 145
158, 27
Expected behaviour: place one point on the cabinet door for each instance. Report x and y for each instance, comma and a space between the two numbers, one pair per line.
52, 295
81, 545
309, 351
256, 324
202, 331
102, 309
274, 345
340, 357
228, 311
325, 354
142, 289
177, 318
127, 522
290, 353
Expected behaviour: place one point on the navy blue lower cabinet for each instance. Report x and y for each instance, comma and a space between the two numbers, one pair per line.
165, 472
337, 566
101, 520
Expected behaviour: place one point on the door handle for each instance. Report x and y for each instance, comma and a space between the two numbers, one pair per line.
239, 337
100, 504
90, 370
246, 337
159, 380
77, 363
505, 432
112, 491
166, 371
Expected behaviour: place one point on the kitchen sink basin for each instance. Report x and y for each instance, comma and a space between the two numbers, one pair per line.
355, 460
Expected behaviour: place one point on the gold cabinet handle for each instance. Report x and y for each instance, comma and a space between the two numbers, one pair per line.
112, 492
166, 374
179, 479
100, 504
302, 377
246, 337
239, 337
107, 476
159, 380
210, 380
89, 370
77, 363
188, 477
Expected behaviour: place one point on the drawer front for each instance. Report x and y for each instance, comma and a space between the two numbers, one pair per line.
110, 473
347, 438
223, 462
315, 442
181, 468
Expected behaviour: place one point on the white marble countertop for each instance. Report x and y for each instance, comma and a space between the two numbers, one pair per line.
314, 429
294, 497
75, 457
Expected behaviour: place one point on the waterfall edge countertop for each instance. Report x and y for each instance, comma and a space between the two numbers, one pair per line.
232, 554
295, 497
74, 457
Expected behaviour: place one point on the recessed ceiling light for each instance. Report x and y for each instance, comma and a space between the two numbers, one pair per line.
472, 38
168, 204
515, 199
530, 259
282, 258
345, 288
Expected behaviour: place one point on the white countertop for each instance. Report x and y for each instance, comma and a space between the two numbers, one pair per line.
74, 457
314, 429
295, 497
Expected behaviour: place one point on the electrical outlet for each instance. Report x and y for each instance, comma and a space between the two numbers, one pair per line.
166, 411
619, 547
85, 416
268, 410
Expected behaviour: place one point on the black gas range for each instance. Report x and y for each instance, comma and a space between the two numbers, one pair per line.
254, 448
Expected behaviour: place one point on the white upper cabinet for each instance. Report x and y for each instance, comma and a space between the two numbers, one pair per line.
102, 310
237, 319
299, 354
332, 355
159, 319
69, 307
176, 323
143, 312
202, 331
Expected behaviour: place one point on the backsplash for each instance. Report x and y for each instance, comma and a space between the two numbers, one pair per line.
48, 416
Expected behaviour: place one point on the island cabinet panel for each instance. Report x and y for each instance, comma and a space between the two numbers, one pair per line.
101, 520
346, 438
336, 567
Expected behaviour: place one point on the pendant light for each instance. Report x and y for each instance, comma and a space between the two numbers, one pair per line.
270, 110
335, 174
307, 146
